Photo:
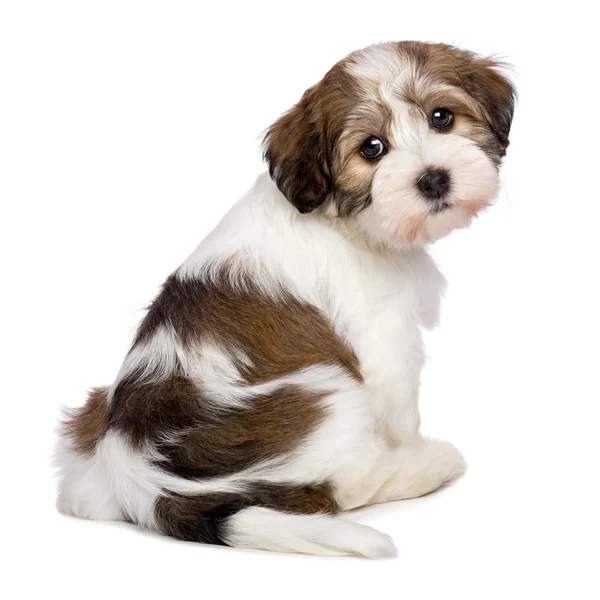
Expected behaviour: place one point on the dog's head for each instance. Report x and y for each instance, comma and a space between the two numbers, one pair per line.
403, 139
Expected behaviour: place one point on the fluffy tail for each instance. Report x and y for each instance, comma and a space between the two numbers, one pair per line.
276, 517
102, 477
267, 529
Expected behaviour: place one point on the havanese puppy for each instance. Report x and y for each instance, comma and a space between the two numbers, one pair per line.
274, 381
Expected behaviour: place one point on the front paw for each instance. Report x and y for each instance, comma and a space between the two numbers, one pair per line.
447, 461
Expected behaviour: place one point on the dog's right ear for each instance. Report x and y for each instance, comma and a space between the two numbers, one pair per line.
295, 150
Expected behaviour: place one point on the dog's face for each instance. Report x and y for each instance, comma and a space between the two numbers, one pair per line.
403, 140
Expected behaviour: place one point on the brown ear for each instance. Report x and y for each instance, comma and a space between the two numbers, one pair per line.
295, 149
495, 93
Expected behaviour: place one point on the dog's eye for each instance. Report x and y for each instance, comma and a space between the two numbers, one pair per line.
372, 148
441, 118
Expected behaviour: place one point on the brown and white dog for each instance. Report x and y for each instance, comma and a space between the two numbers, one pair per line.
274, 381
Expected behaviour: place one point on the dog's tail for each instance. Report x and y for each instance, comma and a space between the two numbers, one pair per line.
265, 516
102, 478
239, 521
267, 529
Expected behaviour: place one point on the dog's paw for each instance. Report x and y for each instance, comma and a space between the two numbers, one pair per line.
445, 459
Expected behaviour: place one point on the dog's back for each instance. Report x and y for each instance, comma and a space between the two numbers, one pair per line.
236, 411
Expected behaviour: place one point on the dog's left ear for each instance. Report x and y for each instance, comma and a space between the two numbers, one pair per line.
295, 149
495, 93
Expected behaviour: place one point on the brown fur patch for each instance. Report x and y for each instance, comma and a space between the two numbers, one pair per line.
312, 150
86, 425
279, 336
204, 518
299, 146
480, 79
197, 437
144, 411
230, 440
200, 439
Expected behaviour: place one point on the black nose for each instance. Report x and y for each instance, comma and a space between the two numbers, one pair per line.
434, 183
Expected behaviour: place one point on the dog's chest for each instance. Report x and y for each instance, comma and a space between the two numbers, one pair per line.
376, 309
379, 313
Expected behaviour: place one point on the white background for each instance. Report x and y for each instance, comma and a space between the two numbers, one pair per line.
126, 131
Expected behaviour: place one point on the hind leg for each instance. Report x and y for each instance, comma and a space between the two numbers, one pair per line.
420, 470
408, 471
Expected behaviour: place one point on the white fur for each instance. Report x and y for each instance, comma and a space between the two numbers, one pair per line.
86, 487
155, 359
216, 374
376, 302
369, 446
398, 214
381, 63
266, 529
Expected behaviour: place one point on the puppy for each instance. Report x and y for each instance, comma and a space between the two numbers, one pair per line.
274, 381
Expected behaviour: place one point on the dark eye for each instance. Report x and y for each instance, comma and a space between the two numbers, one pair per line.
372, 148
441, 118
